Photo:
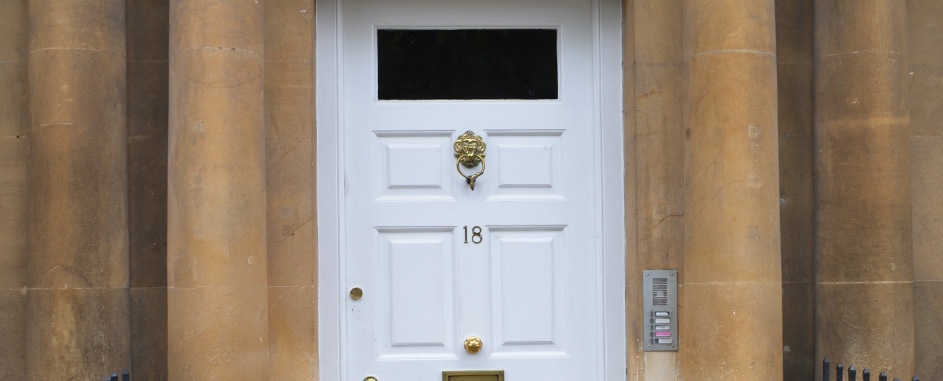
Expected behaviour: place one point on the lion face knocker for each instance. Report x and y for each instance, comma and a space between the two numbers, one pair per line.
470, 151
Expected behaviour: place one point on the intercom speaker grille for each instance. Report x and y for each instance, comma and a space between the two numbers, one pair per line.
660, 291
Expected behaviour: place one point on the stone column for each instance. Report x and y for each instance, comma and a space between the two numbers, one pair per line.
217, 302
733, 290
14, 158
78, 232
863, 249
290, 161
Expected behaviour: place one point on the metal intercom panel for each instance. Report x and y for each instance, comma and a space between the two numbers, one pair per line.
660, 301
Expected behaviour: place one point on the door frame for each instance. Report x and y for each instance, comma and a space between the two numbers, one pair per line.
608, 119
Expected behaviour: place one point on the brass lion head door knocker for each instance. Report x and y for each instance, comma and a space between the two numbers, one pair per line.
470, 151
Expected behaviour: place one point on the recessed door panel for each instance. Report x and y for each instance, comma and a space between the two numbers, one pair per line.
529, 290
529, 165
417, 311
413, 165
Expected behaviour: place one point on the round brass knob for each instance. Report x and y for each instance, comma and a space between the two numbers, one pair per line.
473, 344
356, 293
371, 378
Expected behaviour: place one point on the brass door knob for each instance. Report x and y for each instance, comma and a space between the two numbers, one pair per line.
473, 344
356, 293
371, 378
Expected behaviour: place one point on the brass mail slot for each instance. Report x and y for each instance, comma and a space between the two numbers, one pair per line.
474, 375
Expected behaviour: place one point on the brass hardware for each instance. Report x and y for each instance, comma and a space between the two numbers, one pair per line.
473, 344
474, 375
470, 151
356, 293
371, 378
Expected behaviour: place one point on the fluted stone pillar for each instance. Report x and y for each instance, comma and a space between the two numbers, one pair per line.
78, 324
863, 245
732, 281
217, 303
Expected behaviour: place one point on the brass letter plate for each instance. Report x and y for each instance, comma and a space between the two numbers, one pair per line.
474, 375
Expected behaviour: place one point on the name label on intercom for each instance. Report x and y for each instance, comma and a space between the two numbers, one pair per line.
660, 309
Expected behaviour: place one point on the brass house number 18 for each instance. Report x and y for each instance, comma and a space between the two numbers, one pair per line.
476, 234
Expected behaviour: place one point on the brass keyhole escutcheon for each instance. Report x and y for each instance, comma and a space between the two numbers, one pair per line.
470, 151
473, 344
356, 293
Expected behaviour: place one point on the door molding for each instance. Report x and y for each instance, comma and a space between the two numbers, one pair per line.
607, 25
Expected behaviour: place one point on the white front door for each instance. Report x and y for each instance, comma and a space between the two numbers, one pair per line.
518, 261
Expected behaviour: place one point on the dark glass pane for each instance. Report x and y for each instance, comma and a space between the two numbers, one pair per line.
467, 64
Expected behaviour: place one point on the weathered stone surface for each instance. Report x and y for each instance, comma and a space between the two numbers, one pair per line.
290, 211
796, 105
658, 104
654, 175
13, 31
926, 104
290, 188
230, 25
796, 208
293, 345
929, 343
925, 31
794, 56
78, 170
731, 336
864, 243
799, 331
732, 148
657, 32
289, 100
218, 333
14, 254
216, 240
147, 173
13, 325
78, 310
928, 208
216, 186
147, 185
78, 334
794, 32
13, 98
635, 363
289, 31
720, 25
849, 28
148, 32
14, 159
731, 204
149, 333
925, 36
866, 323
94, 25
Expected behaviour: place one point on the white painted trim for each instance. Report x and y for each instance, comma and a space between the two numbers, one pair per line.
329, 182
608, 81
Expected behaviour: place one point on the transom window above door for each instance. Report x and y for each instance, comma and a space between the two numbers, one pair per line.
464, 64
